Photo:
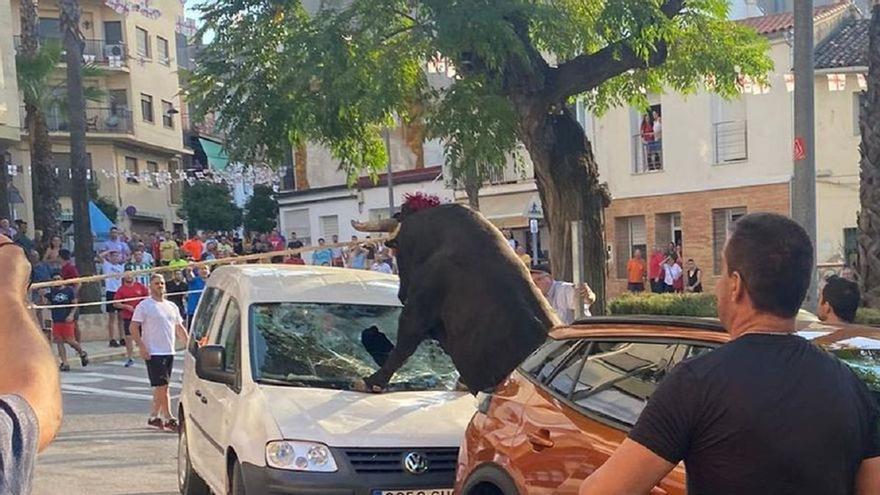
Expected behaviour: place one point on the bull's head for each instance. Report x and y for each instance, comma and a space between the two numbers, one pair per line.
412, 204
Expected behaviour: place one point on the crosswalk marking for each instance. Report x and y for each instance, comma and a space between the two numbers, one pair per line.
133, 379
142, 366
108, 393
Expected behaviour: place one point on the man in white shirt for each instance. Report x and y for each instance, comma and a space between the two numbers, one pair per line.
112, 264
562, 296
154, 324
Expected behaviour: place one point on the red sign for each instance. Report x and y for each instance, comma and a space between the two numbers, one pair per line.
800, 149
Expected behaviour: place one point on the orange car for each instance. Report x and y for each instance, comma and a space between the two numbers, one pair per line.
566, 409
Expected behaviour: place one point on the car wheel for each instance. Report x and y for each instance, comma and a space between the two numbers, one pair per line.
237, 482
188, 481
489, 481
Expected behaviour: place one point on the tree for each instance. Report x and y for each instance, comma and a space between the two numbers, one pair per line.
336, 76
106, 205
261, 210
208, 206
869, 186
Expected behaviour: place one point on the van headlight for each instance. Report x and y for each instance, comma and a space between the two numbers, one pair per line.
300, 456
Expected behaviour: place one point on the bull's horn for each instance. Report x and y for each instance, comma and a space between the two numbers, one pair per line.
386, 225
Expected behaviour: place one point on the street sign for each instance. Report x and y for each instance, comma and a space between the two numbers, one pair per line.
533, 225
534, 209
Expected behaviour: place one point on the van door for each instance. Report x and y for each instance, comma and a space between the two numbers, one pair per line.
219, 401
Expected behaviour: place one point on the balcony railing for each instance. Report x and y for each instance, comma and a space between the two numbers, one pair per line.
647, 154
98, 120
99, 52
731, 141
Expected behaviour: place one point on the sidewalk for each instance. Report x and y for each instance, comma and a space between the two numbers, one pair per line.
98, 352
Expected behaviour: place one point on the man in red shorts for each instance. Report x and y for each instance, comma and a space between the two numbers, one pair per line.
64, 322
128, 290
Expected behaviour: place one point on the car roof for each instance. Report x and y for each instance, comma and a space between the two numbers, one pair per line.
829, 336
262, 283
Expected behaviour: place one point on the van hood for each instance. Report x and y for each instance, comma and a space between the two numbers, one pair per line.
350, 419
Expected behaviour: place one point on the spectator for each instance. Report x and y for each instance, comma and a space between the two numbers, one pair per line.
524, 256
237, 245
21, 237
133, 239
63, 323
145, 252
178, 261
210, 251
139, 262
196, 280
323, 256
839, 300
292, 241
115, 243
655, 271
508, 236
6, 229
68, 267
112, 264
694, 277
671, 272
177, 288
357, 257
562, 296
381, 265
276, 241
52, 254
40, 272
129, 289
194, 247
295, 259
635, 272
30, 392
167, 249
646, 130
224, 248
336, 254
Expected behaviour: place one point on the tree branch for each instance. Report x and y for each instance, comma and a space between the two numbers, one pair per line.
588, 71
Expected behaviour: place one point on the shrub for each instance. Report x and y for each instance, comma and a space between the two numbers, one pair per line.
868, 316
702, 305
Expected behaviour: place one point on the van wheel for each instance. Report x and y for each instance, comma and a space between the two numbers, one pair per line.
237, 482
188, 480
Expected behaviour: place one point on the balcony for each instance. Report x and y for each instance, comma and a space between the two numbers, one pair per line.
98, 120
113, 55
647, 154
731, 141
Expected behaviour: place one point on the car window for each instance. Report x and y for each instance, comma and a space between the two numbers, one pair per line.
865, 363
229, 333
204, 314
617, 378
541, 363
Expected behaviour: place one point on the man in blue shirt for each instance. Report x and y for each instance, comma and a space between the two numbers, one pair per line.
196, 282
323, 256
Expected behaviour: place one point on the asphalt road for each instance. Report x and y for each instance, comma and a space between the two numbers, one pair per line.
105, 446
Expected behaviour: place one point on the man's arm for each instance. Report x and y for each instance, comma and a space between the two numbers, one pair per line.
29, 369
182, 334
868, 477
633, 469
72, 314
135, 329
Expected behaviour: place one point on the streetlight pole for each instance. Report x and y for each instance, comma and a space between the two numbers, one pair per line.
803, 184
386, 133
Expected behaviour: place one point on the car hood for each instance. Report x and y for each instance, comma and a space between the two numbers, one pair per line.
351, 419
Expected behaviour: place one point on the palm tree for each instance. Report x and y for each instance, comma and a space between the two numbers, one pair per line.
869, 190
35, 66
76, 97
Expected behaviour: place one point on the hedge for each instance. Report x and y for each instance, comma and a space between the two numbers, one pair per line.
702, 305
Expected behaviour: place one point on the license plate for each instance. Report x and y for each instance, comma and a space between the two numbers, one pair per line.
428, 491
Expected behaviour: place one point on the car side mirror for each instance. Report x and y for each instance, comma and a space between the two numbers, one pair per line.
210, 365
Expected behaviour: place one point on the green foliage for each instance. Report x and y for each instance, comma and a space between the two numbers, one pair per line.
36, 83
868, 316
261, 210
702, 305
208, 206
279, 74
106, 205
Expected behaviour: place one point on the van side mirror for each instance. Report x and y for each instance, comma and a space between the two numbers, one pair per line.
210, 365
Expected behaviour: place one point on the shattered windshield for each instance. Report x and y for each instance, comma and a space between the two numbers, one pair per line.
865, 363
331, 345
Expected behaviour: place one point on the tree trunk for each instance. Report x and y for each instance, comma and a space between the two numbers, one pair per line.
869, 190
82, 230
568, 183
44, 182
472, 184
4, 184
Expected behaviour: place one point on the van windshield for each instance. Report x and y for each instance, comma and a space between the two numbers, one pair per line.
865, 363
332, 345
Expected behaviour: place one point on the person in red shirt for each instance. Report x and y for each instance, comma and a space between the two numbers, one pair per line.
129, 289
295, 259
68, 268
655, 272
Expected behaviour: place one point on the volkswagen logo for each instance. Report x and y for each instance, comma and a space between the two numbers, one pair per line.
415, 463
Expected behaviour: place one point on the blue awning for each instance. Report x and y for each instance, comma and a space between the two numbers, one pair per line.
217, 158
100, 223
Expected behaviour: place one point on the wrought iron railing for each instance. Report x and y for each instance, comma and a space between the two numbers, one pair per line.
112, 54
98, 120
647, 154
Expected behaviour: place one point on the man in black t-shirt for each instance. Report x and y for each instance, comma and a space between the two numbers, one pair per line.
768, 412
175, 287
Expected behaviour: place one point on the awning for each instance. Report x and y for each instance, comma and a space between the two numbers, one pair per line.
217, 158
99, 221
507, 211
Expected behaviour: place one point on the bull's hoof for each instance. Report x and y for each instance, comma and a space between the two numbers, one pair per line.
360, 385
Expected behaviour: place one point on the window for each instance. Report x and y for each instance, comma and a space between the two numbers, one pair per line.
147, 107
153, 169
647, 140
542, 362
50, 28
722, 223
202, 320
587, 120
118, 102
858, 103
228, 337
113, 32
630, 234
329, 225
131, 169
162, 50
729, 130
667, 228
176, 187
297, 221
143, 43
167, 116
851, 247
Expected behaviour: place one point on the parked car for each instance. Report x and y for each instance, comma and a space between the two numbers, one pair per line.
568, 407
268, 406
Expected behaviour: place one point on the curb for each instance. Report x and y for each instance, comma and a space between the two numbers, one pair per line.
104, 357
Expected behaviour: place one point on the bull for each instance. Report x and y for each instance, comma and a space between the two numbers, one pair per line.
462, 285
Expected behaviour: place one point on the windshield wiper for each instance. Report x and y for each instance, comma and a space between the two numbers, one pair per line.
333, 384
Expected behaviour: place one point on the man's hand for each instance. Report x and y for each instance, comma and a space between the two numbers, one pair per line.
145, 354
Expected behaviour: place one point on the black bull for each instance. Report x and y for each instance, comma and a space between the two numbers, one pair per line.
462, 285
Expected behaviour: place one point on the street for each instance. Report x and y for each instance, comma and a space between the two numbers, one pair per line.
104, 446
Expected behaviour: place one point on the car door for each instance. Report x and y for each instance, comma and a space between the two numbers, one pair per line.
219, 400
582, 410
195, 414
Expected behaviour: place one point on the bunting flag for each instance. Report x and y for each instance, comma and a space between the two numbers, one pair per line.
789, 82
836, 82
863, 82
760, 88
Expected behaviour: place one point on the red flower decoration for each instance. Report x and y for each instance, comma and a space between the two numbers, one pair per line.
419, 201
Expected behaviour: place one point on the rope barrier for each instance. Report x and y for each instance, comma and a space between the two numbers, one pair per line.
103, 303
219, 261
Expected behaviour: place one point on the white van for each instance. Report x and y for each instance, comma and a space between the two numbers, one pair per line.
267, 404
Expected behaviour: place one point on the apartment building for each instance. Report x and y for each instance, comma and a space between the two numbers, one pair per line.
134, 132
9, 118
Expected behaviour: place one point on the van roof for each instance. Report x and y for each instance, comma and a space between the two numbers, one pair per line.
295, 283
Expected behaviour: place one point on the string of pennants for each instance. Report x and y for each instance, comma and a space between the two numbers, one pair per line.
836, 82
144, 7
